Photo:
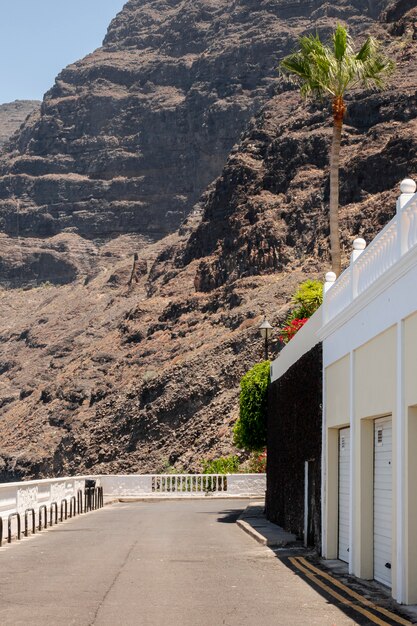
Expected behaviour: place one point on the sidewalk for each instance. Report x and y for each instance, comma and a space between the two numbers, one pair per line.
367, 602
253, 522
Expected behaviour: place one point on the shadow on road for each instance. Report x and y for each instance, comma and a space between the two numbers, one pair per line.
360, 608
230, 516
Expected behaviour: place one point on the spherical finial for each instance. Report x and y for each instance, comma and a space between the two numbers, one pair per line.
359, 244
330, 277
408, 186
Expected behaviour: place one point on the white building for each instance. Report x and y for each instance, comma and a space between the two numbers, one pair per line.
368, 326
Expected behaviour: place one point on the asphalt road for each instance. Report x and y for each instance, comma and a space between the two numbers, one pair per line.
171, 563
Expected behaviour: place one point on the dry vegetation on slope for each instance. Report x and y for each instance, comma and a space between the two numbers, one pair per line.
96, 375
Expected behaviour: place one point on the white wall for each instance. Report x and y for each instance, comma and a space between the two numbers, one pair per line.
17, 497
369, 362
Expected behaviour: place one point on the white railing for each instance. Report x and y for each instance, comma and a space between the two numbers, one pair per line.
18, 497
35, 495
183, 485
368, 265
339, 297
379, 256
41, 501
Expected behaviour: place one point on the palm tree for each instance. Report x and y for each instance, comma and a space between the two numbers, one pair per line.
330, 70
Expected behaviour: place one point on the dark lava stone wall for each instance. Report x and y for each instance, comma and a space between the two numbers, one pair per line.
294, 436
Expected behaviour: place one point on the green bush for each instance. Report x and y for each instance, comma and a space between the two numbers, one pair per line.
307, 299
223, 465
249, 432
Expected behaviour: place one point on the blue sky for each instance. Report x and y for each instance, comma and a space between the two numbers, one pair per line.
40, 37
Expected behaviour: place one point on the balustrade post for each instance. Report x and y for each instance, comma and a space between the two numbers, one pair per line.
329, 282
359, 246
408, 189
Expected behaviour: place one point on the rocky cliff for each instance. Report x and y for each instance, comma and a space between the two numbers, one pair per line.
130, 136
12, 116
118, 375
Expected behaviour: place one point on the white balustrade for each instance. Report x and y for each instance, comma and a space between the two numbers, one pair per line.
368, 265
379, 256
17, 498
183, 485
339, 296
187, 484
409, 216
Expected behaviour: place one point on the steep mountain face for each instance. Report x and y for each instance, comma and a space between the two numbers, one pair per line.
99, 373
268, 211
130, 136
12, 116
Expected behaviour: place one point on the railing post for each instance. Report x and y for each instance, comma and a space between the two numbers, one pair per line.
54, 507
9, 526
64, 501
43, 509
33, 514
80, 501
73, 501
330, 280
359, 246
408, 189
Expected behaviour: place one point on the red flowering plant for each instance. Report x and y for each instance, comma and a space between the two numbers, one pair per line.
307, 300
288, 331
257, 463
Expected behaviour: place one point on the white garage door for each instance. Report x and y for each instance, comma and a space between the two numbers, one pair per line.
383, 500
344, 493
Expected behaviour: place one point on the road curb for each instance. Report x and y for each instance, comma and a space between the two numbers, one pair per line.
253, 522
252, 532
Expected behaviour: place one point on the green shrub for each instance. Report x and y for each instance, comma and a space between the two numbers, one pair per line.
249, 432
223, 465
257, 463
307, 299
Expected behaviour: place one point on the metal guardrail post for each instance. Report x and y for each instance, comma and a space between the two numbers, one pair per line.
9, 526
87, 506
80, 501
45, 510
32, 511
54, 507
73, 509
62, 510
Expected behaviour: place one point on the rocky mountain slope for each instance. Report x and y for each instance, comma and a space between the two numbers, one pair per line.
99, 373
12, 116
130, 136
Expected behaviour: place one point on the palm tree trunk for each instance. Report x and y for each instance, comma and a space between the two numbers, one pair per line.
338, 114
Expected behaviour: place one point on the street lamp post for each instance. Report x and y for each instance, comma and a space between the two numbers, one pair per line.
266, 331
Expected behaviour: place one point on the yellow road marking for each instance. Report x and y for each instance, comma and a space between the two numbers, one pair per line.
354, 594
336, 595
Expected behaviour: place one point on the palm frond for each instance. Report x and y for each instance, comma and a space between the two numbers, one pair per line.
340, 42
368, 50
333, 68
296, 64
